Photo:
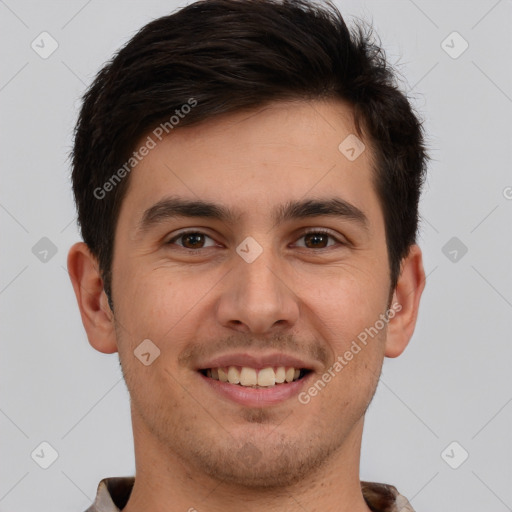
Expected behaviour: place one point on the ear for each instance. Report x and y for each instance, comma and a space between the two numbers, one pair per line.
97, 316
405, 303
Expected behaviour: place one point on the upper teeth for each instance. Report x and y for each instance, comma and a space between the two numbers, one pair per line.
247, 376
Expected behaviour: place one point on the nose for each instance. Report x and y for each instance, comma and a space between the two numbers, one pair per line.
256, 297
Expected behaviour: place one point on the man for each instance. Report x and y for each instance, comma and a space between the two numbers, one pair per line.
247, 177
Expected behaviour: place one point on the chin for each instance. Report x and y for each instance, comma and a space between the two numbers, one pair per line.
262, 464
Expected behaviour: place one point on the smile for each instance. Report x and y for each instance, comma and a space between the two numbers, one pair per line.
253, 377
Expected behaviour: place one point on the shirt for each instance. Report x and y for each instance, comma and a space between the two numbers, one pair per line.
113, 494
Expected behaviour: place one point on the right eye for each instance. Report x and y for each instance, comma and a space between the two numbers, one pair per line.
191, 240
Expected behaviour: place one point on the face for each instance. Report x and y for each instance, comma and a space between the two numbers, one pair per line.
284, 267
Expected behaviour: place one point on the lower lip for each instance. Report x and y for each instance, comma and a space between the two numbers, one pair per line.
257, 397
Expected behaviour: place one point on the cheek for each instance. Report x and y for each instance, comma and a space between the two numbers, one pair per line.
161, 303
347, 297
345, 309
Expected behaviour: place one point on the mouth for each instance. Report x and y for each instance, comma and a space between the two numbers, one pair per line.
257, 379
248, 377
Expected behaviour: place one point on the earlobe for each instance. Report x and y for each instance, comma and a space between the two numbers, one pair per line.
406, 299
92, 301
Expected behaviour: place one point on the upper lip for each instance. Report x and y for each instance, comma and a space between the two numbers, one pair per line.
257, 361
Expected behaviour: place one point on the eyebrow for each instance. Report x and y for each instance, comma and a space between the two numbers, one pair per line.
175, 207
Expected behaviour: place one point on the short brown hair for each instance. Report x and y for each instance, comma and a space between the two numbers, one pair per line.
231, 55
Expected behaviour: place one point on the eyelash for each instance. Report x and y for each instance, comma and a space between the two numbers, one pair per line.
308, 232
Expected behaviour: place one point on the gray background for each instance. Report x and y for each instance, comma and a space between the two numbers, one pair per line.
451, 384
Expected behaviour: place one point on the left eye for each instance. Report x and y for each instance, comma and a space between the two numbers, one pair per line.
318, 239
196, 240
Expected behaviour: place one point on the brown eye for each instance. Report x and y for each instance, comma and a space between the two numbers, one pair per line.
191, 240
318, 240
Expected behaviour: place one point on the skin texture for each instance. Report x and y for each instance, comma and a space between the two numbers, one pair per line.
194, 448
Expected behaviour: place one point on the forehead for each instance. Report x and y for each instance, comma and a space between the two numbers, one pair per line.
253, 161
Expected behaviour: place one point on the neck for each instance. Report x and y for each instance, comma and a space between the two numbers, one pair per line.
166, 483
